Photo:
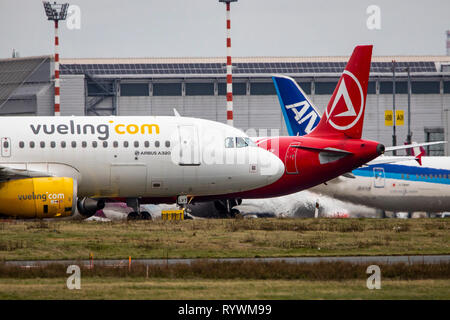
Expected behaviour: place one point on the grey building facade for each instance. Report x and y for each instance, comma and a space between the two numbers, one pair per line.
196, 87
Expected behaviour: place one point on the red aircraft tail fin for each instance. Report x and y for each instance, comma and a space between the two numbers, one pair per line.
344, 115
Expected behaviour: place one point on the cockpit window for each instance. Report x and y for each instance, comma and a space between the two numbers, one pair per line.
241, 143
250, 142
229, 142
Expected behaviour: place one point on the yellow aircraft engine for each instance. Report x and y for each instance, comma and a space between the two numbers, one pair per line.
48, 197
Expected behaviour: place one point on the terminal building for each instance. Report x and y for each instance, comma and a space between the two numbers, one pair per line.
196, 87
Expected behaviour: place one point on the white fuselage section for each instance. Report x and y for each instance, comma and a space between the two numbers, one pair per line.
400, 186
136, 156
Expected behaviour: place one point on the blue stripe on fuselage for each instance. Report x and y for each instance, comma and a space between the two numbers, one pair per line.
407, 173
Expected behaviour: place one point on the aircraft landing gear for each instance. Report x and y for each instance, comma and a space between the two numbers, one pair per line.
182, 202
137, 214
225, 207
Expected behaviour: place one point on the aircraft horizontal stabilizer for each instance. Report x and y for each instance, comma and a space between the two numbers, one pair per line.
414, 145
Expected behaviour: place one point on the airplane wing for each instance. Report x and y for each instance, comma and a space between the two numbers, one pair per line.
175, 112
8, 173
382, 160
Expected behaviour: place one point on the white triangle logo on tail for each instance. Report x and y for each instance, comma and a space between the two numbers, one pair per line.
351, 112
343, 92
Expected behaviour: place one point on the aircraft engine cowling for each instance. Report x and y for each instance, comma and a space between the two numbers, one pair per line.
87, 207
48, 197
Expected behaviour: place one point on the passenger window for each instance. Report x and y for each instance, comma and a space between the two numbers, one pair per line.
105, 144
229, 142
42, 144
53, 144
74, 144
63, 144
240, 143
84, 144
21, 144
94, 144
31, 144
125, 144
157, 144
167, 144
136, 144
146, 144
115, 144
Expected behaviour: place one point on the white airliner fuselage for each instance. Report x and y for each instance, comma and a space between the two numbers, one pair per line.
135, 156
400, 186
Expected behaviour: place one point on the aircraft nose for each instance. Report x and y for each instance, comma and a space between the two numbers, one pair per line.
274, 168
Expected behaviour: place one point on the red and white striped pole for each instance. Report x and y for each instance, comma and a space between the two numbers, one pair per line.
229, 71
57, 85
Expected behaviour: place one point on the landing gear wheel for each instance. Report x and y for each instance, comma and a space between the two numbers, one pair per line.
133, 216
235, 213
145, 215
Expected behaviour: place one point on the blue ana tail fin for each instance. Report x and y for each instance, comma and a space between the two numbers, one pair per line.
300, 114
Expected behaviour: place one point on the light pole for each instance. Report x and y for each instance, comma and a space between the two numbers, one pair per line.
394, 136
56, 12
409, 137
229, 66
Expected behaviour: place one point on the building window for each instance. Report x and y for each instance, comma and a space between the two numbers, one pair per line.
325, 87
425, 87
167, 89
372, 88
446, 86
99, 88
434, 134
134, 89
266, 88
401, 87
239, 89
199, 89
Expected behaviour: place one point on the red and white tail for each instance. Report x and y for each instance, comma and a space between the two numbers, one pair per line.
418, 152
344, 115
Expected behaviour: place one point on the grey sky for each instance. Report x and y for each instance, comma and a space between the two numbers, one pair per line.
196, 28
